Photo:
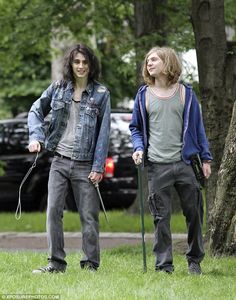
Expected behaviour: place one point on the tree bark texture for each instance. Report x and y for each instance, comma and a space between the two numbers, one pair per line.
223, 229
150, 19
216, 79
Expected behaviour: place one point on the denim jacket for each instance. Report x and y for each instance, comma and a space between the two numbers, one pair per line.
92, 132
194, 139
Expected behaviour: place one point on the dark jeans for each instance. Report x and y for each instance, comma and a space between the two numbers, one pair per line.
65, 172
161, 179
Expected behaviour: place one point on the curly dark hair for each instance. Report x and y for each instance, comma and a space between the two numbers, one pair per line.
94, 66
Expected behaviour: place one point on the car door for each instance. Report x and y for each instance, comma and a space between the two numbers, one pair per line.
15, 161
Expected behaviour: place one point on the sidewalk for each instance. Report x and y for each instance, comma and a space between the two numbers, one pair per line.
73, 241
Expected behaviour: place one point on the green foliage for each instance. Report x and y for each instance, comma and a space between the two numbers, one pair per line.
114, 39
230, 13
27, 29
2, 164
180, 32
25, 49
5, 112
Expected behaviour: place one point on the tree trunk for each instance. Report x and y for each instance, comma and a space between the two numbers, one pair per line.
223, 232
150, 18
216, 80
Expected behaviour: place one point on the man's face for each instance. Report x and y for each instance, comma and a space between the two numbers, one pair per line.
80, 66
154, 65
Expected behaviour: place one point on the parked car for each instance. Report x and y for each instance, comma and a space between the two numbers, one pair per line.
118, 187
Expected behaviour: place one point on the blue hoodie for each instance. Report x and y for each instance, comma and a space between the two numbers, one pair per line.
193, 137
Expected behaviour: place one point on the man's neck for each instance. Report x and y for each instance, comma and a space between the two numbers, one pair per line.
80, 86
81, 83
160, 82
161, 89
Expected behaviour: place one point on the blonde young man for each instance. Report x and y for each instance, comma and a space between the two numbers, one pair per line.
166, 129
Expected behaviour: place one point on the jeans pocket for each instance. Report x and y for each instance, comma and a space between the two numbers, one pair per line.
155, 205
152, 205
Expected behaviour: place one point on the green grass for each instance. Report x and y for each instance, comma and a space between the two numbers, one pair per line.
119, 221
119, 277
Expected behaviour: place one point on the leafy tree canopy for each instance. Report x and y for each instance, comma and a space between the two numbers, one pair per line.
29, 26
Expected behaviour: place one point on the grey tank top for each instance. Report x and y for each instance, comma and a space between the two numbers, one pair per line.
165, 126
66, 143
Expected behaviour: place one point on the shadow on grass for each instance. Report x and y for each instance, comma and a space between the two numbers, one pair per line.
218, 273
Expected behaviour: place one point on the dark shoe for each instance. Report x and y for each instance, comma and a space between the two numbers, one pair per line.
47, 269
89, 267
194, 268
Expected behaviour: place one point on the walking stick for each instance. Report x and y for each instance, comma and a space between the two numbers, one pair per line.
100, 198
140, 192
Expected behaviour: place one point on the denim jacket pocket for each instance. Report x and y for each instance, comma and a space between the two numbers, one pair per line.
58, 108
91, 114
90, 122
92, 111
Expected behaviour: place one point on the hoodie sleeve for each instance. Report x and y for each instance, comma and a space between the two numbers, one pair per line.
136, 126
200, 131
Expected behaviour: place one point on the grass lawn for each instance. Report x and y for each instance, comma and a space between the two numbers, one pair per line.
119, 277
119, 221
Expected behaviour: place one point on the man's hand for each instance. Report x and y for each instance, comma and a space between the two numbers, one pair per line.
206, 168
34, 146
137, 157
95, 177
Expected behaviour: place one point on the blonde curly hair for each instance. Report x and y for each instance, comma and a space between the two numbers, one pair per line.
172, 65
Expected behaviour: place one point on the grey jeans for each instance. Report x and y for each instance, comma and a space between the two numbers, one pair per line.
65, 172
161, 179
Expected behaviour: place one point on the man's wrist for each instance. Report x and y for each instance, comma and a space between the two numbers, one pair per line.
207, 161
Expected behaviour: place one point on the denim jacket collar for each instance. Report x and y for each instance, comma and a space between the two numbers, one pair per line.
89, 87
